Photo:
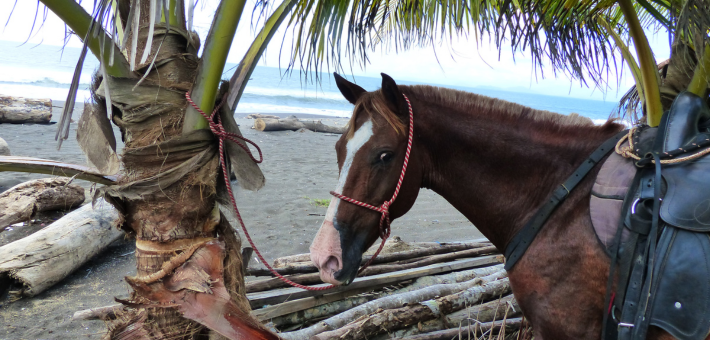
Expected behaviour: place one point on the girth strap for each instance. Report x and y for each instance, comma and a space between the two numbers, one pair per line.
522, 240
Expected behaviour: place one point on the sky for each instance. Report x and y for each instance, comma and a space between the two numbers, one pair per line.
461, 62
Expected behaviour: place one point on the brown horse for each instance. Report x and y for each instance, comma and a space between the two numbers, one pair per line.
494, 161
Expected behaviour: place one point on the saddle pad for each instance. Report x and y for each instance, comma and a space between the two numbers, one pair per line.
608, 192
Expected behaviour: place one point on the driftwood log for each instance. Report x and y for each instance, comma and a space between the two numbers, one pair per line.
293, 124
505, 307
454, 333
398, 318
20, 202
279, 317
496, 283
277, 296
312, 278
19, 110
261, 115
36, 262
287, 266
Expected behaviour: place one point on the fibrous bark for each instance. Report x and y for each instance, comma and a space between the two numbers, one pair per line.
293, 124
38, 261
20, 202
19, 110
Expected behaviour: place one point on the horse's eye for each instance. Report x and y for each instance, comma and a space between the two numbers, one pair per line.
385, 157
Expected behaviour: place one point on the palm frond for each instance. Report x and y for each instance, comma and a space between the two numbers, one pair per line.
564, 34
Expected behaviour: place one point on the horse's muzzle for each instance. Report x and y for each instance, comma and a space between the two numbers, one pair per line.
327, 253
337, 262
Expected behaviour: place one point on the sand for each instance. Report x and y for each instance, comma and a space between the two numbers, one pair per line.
282, 219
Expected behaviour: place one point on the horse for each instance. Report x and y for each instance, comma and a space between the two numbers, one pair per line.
496, 162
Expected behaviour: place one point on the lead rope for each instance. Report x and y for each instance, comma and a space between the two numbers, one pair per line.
219, 131
384, 208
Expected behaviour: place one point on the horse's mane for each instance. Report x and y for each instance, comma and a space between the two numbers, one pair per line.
375, 102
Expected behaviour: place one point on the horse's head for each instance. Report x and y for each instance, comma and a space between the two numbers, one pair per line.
370, 158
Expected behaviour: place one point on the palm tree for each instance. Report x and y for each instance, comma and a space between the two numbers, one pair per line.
189, 282
189, 285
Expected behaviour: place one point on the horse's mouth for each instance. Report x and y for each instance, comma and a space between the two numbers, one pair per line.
341, 277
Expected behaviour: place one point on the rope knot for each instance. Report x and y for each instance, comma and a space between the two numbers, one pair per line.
218, 130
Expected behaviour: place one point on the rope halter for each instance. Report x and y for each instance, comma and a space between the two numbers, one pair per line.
383, 209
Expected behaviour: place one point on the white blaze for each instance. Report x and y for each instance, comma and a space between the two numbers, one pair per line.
361, 136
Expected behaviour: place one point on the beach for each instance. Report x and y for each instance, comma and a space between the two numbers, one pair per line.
282, 219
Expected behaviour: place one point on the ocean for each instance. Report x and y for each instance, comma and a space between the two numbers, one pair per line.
46, 71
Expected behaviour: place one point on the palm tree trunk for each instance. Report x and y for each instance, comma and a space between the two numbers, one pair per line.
168, 200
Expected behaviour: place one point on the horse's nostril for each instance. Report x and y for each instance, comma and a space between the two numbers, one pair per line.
332, 264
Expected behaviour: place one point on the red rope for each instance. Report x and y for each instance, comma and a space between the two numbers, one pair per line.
219, 131
385, 207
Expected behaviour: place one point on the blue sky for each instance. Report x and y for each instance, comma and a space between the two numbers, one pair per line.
461, 62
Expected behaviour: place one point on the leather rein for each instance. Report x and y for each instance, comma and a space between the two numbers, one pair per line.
521, 241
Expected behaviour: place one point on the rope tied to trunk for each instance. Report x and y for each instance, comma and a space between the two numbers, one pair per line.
218, 130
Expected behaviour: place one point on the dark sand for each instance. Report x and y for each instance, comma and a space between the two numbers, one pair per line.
281, 217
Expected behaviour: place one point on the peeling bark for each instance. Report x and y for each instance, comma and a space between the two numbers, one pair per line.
197, 290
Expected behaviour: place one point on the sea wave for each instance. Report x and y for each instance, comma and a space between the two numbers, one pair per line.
32, 91
15, 74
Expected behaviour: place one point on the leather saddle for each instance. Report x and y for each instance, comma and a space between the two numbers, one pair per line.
661, 236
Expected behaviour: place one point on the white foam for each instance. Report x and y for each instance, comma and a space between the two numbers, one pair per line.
23, 74
31, 91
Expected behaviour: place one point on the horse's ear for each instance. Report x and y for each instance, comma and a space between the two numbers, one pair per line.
393, 95
350, 91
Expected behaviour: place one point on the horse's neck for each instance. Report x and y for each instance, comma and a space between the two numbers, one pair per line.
496, 173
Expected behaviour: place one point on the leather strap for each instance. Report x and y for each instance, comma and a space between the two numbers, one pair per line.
521, 241
609, 328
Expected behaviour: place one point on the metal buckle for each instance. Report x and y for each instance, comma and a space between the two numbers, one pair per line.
624, 324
